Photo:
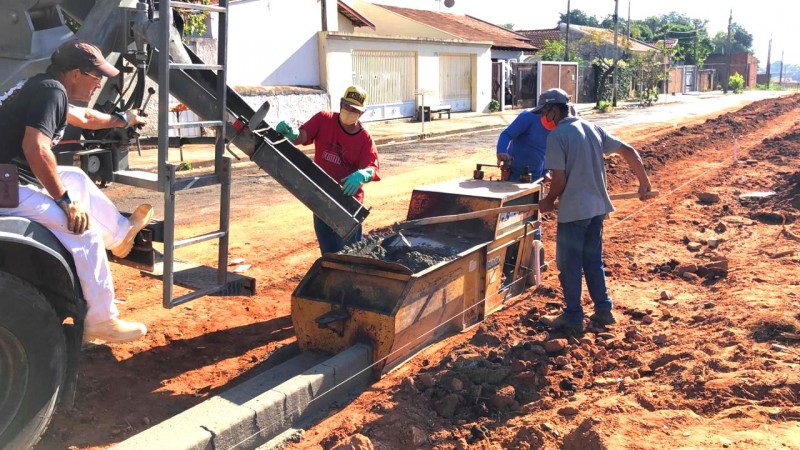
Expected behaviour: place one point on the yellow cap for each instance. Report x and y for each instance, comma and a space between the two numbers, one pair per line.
356, 97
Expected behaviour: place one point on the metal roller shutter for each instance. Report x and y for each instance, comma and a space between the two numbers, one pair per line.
455, 81
389, 78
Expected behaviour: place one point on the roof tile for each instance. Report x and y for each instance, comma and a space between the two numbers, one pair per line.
466, 27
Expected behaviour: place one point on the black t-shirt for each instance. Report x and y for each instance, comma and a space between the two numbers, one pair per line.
41, 103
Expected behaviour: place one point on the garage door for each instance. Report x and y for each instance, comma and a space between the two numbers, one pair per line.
389, 78
455, 81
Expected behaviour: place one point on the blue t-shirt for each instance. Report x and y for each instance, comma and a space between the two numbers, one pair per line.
528, 142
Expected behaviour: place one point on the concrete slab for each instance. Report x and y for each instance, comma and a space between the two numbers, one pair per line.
264, 406
178, 432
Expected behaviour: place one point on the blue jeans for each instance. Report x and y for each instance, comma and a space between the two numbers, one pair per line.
329, 241
579, 248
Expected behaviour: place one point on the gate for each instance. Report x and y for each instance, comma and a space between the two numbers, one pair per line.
561, 75
455, 81
587, 91
524, 83
389, 79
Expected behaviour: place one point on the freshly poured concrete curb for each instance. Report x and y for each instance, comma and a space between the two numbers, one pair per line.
261, 408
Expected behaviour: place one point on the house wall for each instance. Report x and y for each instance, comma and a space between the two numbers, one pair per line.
389, 23
507, 55
275, 43
744, 63
337, 71
345, 25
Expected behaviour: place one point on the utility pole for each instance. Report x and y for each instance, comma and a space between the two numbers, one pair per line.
730, 56
666, 63
616, 55
769, 59
696, 63
566, 46
780, 81
629, 22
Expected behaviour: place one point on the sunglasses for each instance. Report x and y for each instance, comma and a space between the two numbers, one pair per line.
90, 74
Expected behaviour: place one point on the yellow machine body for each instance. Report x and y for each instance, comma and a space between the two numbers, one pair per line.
345, 299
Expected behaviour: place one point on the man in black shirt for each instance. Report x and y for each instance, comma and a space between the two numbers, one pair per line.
33, 116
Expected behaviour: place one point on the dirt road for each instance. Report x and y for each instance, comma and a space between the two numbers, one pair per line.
691, 359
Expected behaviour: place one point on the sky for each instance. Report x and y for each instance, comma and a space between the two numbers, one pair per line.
760, 18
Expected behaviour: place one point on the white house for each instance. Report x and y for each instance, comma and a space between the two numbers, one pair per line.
301, 55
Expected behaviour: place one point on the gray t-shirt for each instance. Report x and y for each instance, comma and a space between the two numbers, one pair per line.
577, 147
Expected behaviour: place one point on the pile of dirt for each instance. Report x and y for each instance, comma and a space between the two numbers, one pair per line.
391, 249
704, 353
718, 132
784, 205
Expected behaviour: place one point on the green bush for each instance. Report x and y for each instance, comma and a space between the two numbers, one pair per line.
604, 89
648, 97
772, 87
736, 83
494, 106
604, 106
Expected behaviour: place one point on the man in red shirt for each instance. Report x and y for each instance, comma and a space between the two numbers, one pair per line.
344, 150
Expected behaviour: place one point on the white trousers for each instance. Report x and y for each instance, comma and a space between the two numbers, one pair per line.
107, 229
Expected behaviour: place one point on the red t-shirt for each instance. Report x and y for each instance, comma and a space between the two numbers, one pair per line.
338, 152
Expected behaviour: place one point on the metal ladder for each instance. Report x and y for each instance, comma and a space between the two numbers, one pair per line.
167, 180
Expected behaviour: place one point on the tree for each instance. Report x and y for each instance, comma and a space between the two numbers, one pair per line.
648, 70
552, 51
741, 40
694, 44
595, 44
194, 22
608, 23
578, 17
508, 26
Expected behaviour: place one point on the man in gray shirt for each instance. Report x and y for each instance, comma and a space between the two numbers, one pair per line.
575, 157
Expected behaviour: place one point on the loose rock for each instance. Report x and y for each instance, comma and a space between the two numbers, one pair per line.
446, 407
355, 442
690, 276
418, 437
426, 380
568, 411
708, 197
555, 345
694, 246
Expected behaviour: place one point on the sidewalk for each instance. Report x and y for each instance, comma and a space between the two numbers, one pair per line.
385, 132
389, 132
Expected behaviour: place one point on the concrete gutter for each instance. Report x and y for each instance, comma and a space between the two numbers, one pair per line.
420, 136
263, 407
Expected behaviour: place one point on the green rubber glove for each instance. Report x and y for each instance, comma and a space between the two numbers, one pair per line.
352, 182
288, 131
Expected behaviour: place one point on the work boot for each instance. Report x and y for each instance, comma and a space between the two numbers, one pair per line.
560, 321
138, 220
603, 318
114, 331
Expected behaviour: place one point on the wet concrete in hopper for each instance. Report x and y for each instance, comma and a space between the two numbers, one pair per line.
391, 249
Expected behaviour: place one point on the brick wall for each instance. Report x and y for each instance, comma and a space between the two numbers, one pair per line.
743, 63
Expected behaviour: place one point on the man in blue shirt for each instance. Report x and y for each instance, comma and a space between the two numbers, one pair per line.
523, 145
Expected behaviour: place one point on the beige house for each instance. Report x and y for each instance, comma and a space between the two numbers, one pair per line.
448, 57
397, 54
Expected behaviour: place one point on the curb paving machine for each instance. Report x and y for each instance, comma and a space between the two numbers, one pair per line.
41, 317
466, 247
486, 228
